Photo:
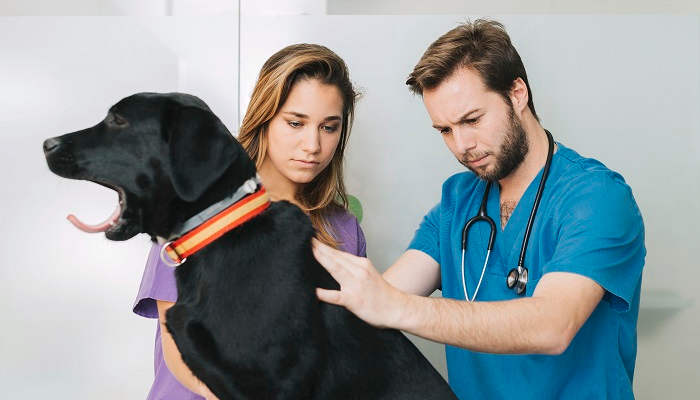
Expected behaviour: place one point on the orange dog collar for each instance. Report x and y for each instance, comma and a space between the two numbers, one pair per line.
213, 228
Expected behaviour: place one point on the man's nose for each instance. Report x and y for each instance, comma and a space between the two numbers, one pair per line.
464, 140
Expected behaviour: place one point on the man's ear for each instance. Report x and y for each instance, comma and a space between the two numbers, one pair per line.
519, 95
200, 150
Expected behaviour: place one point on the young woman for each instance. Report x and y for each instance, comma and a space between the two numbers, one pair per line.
295, 130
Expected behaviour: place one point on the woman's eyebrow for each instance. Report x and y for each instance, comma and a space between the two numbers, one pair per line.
304, 116
296, 114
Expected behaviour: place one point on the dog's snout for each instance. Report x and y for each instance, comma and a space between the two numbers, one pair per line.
51, 145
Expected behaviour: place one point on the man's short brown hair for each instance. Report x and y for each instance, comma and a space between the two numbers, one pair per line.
482, 45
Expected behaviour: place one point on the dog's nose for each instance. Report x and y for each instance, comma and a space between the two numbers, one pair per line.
51, 145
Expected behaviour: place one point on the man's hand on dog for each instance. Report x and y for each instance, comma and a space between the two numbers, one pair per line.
363, 291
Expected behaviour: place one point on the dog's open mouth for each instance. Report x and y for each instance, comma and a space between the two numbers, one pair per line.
110, 223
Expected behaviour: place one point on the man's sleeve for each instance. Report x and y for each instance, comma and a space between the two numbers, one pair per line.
601, 236
427, 236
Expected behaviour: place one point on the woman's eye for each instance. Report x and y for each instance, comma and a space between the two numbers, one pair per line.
445, 131
294, 124
329, 128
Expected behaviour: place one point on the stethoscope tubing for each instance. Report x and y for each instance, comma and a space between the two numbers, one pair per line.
538, 197
483, 216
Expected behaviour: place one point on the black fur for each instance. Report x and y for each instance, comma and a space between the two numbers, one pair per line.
247, 321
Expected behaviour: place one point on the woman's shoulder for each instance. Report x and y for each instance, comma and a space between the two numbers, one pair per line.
347, 231
340, 216
157, 283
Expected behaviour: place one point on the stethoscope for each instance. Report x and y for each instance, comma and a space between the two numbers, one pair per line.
517, 277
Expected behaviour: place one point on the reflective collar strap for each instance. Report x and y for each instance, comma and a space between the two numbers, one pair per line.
218, 225
248, 187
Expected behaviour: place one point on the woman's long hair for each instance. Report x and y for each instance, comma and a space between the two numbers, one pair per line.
326, 193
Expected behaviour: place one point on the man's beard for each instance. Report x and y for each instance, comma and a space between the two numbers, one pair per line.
512, 152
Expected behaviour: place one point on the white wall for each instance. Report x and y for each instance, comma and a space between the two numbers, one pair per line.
622, 89
112, 8
501, 7
67, 329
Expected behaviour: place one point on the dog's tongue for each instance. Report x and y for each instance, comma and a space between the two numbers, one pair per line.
98, 227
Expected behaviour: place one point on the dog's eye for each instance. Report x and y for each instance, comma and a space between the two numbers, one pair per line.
117, 120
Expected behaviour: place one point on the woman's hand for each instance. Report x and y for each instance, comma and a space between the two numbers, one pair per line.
204, 391
363, 291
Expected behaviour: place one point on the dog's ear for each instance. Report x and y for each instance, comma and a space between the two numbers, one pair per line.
200, 150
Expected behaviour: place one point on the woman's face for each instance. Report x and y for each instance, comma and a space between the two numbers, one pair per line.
303, 135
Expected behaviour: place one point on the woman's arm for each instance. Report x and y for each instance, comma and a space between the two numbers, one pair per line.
173, 359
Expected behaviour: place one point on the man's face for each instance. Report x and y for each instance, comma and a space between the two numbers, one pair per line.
478, 126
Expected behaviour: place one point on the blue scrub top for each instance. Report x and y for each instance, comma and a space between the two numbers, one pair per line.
587, 223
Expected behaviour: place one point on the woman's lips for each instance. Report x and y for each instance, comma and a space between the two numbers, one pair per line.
307, 164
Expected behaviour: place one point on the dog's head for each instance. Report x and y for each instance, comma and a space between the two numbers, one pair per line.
162, 153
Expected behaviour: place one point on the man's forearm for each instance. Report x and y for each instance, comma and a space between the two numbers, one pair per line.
544, 323
512, 327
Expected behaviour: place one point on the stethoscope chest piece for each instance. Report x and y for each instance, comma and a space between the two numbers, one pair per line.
517, 278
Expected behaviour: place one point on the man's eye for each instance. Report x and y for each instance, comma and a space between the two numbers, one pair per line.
445, 131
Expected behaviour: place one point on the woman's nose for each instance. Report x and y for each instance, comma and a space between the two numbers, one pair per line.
311, 141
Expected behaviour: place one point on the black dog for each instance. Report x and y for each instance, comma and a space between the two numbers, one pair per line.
247, 321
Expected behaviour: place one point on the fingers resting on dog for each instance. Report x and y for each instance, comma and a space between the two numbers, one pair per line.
363, 291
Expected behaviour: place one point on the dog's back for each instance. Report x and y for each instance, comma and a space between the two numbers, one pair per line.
369, 363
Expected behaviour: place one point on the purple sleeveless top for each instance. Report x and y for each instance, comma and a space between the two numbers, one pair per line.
158, 283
